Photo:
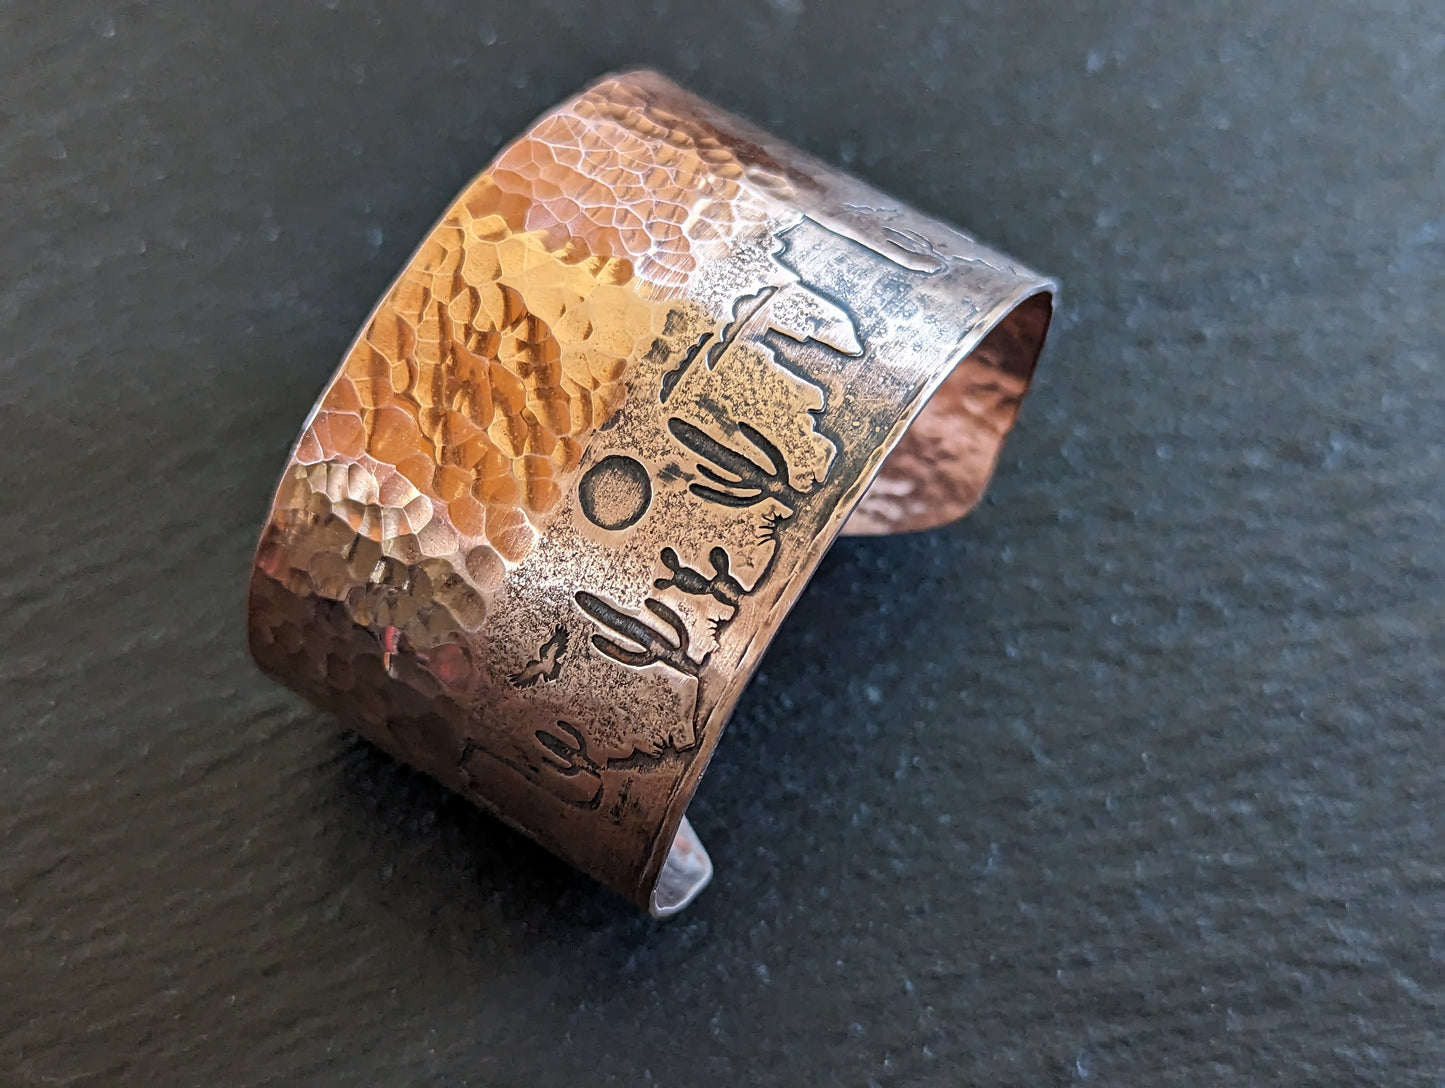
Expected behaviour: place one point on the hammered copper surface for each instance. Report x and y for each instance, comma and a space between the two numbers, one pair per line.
592, 442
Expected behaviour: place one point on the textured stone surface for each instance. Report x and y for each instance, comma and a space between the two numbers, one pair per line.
1131, 777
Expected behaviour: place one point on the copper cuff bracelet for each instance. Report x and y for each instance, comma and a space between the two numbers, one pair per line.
590, 445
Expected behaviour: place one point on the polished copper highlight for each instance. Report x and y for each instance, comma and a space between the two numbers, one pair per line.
592, 442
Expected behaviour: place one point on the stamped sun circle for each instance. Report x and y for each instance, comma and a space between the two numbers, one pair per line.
615, 492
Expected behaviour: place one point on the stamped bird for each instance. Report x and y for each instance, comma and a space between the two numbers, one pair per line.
547, 665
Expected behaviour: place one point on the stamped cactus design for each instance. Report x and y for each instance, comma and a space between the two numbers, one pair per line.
657, 646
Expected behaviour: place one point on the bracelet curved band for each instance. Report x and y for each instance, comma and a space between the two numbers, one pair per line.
594, 439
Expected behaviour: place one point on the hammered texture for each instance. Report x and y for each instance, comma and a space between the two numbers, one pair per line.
507, 341
624, 175
478, 382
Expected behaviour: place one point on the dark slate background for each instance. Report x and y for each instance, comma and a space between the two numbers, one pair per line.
1133, 777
